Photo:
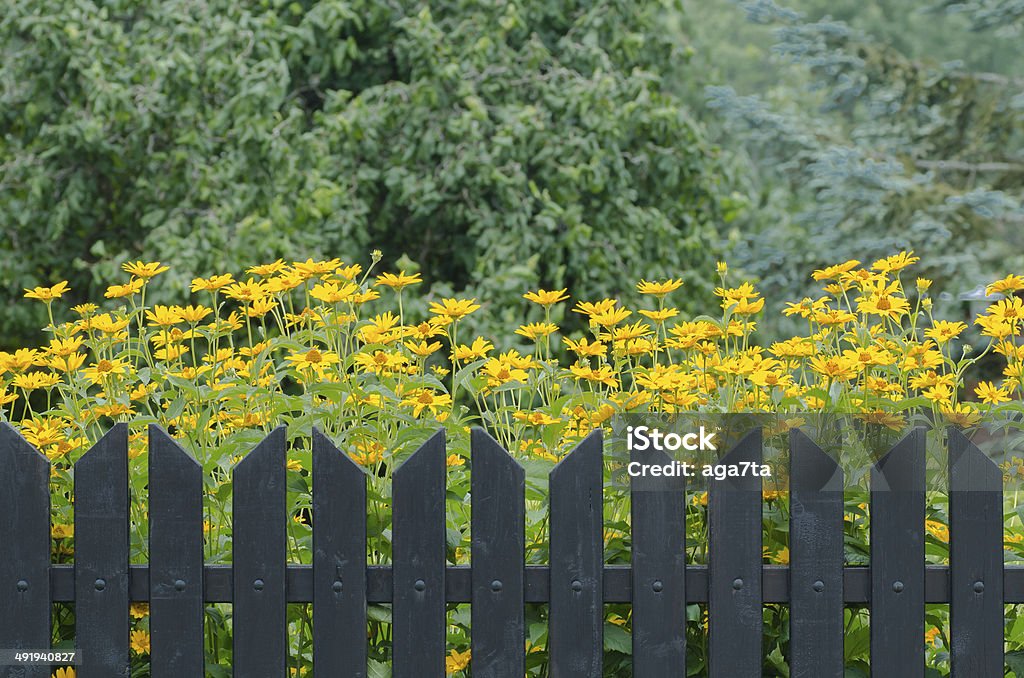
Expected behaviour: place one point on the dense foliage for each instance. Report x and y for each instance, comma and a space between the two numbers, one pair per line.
856, 128
331, 345
498, 145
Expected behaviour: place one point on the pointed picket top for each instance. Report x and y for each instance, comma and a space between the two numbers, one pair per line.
427, 454
902, 467
581, 456
273, 445
969, 467
326, 450
15, 450
108, 449
164, 448
488, 450
813, 469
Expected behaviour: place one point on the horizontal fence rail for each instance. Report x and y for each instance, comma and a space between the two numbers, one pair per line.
218, 582
576, 584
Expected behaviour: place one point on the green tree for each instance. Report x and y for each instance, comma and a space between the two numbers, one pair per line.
499, 145
859, 150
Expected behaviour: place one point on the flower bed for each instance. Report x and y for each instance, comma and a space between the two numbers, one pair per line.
328, 344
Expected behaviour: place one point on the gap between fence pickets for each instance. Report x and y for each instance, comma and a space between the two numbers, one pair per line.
617, 587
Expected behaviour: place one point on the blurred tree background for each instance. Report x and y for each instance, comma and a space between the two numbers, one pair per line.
499, 146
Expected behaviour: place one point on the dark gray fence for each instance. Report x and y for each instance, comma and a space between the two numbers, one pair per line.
576, 584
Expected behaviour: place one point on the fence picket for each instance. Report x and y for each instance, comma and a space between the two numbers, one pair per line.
175, 559
976, 560
658, 521
258, 560
498, 554
418, 551
101, 557
25, 541
735, 617
816, 561
897, 560
576, 634
339, 562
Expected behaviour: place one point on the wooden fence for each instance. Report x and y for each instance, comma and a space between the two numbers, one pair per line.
659, 584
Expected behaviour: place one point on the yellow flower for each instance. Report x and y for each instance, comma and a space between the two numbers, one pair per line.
68, 672
309, 268
212, 284
1010, 283
610, 317
267, 269
140, 642
363, 297
33, 380
62, 531
659, 316
313, 359
806, 307
600, 375
659, 289
937, 530
260, 307
721, 267
834, 316
943, 330
424, 398
163, 316
369, 454
595, 308
896, 262
348, 272
145, 271
834, 367
923, 284
454, 460
5, 397
380, 362
478, 349
398, 282
931, 636
961, 414
423, 349
536, 330
835, 271
885, 305
64, 347
454, 308
139, 610
20, 360
1009, 310
585, 349
989, 393
133, 286
192, 314
456, 661
68, 363
333, 293
247, 292
546, 297
84, 309
47, 294
104, 369
500, 372
535, 418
